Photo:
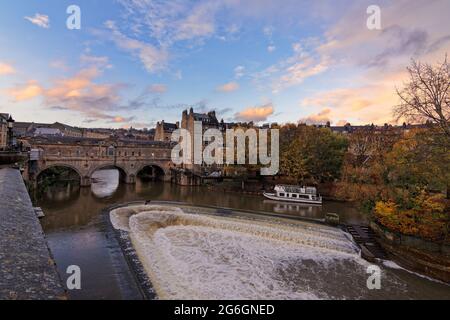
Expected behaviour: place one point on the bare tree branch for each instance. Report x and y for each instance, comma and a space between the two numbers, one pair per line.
426, 96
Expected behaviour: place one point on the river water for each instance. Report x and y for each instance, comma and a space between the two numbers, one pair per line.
78, 234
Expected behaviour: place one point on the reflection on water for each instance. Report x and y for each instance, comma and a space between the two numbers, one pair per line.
77, 232
105, 183
70, 206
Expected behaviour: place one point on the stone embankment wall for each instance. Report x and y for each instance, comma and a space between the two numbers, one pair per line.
426, 257
27, 270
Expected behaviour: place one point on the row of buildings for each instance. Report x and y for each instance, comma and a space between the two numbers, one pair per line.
57, 129
164, 130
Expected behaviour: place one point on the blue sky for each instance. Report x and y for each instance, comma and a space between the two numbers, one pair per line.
135, 62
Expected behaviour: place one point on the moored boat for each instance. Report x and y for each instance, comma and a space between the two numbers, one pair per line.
296, 194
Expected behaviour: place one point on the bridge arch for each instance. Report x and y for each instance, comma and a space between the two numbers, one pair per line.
124, 175
59, 165
152, 171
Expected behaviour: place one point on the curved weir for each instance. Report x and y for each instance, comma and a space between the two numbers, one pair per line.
197, 256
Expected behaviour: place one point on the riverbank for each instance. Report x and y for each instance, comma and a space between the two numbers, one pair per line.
424, 257
27, 269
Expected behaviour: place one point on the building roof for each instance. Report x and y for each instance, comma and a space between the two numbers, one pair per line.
169, 126
209, 118
47, 132
3, 117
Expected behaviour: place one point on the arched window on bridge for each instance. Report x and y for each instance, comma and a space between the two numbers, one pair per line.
111, 150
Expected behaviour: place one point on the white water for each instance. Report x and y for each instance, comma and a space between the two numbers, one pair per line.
191, 256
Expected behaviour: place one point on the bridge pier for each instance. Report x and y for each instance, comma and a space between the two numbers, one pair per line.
130, 179
85, 181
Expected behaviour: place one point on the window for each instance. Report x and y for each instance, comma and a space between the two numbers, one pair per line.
281, 194
111, 151
294, 195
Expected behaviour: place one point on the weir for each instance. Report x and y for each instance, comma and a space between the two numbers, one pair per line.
27, 270
187, 254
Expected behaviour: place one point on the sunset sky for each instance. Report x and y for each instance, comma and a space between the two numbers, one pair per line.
135, 62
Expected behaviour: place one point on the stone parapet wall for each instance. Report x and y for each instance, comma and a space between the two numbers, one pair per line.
27, 270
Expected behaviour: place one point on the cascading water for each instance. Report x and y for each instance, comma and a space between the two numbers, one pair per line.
197, 256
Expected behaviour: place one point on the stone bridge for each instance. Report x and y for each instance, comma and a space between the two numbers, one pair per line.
85, 156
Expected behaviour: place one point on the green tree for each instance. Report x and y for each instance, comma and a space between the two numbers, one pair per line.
311, 154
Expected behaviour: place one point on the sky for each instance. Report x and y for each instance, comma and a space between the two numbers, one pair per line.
136, 62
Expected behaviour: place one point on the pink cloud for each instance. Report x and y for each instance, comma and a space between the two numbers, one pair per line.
228, 87
256, 114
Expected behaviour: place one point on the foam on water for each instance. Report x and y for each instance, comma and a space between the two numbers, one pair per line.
190, 256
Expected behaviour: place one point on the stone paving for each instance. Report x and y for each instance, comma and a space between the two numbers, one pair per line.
27, 271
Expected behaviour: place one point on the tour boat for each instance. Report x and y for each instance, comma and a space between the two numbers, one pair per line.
295, 194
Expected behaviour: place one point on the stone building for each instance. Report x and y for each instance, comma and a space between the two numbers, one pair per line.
208, 120
164, 130
47, 132
68, 131
22, 129
3, 130
96, 134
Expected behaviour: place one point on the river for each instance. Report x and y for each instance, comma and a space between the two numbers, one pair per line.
78, 233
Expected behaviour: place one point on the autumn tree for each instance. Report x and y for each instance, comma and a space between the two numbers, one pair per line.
418, 169
420, 161
311, 154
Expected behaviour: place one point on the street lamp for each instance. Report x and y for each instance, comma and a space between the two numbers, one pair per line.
10, 122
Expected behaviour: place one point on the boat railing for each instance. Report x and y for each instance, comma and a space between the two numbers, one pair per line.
300, 190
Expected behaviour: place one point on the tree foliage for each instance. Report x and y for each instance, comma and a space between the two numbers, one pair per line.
310, 154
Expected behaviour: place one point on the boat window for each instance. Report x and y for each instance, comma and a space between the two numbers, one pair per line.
294, 196
281, 194
303, 196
